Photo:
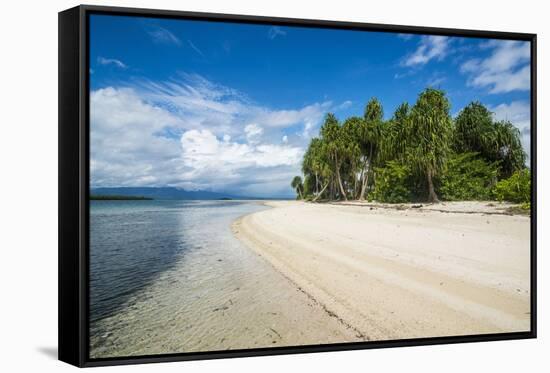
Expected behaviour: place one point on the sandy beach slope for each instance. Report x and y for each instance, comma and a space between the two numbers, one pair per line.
392, 274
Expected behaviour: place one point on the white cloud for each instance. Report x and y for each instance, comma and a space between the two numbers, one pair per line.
519, 113
253, 132
111, 61
275, 31
506, 69
125, 149
163, 36
430, 47
193, 133
204, 153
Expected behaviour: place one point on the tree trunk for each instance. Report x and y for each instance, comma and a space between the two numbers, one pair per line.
316, 184
300, 193
320, 193
432, 197
340, 183
362, 178
364, 181
331, 191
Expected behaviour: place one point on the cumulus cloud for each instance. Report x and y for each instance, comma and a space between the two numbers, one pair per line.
204, 153
253, 132
430, 47
506, 69
193, 133
111, 61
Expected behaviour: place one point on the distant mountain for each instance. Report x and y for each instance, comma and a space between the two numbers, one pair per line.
163, 193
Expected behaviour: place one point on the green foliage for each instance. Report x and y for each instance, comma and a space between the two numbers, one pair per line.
517, 188
429, 132
416, 155
475, 131
473, 127
297, 185
467, 177
309, 186
393, 183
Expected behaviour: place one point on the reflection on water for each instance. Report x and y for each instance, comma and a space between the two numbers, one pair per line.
169, 276
132, 242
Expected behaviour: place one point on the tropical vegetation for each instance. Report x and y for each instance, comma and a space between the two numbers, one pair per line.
420, 153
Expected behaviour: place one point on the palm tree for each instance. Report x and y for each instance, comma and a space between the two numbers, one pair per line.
472, 129
507, 148
353, 164
475, 131
335, 147
297, 185
370, 135
429, 136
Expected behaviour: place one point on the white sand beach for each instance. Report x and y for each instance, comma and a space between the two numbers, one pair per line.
391, 273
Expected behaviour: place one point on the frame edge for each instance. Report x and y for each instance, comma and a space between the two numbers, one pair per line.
69, 248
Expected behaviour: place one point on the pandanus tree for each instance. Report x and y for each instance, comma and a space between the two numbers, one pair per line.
393, 141
429, 136
370, 138
475, 131
334, 144
297, 185
352, 151
506, 144
472, 129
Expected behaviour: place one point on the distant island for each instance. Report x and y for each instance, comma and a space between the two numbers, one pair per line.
168, 193
118, 198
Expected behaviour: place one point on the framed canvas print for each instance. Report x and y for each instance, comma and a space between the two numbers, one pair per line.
238, 185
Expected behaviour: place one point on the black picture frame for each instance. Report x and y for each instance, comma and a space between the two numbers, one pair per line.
74, 175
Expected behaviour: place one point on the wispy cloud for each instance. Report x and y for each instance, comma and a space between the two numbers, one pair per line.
436, 79
194, 47
430, 47
405, 36
506, 69
275, 31
111, 61
163, 36
344, 105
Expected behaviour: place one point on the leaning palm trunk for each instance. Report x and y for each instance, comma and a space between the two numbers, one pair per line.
340, 181
316, 183
321, 192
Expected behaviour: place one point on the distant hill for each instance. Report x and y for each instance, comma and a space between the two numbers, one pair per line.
163, 193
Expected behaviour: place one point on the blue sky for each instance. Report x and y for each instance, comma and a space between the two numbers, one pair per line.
231, 107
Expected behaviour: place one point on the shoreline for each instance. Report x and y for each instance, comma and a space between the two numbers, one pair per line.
408, 272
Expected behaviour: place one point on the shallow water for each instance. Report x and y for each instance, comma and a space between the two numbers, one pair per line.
169, 276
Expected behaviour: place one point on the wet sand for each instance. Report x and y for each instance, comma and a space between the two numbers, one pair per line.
392, 273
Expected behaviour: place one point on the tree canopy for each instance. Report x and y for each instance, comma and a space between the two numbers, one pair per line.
419, 152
